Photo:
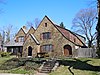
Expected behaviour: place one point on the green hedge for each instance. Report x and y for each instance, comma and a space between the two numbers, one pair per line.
5, 54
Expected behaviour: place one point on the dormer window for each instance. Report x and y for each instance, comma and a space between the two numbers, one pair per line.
45, 24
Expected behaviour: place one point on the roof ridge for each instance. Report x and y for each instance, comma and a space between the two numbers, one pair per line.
30, 29
70, 32
34, 39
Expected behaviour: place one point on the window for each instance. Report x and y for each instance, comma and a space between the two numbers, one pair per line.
21, 39
74, 40
47, 35
45, 24
47, 48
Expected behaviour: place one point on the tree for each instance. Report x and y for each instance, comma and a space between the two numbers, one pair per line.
62, 25
29, 24
98, 29
37, 22
34, 23
84, 23
8, 32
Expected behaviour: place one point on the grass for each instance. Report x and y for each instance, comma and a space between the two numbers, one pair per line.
68, 66
3, 59
19, 65
63, 70
19, 70
80, 66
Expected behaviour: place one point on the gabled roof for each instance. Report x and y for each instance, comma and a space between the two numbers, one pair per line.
34, 38
31, 28
63, 31
43, 19
22, 30
25, 30
79, 35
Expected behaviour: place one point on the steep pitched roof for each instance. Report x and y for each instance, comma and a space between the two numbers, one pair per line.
43, 19
20, 30
25, 30
63, 31
33, 37
30, 29
79, 35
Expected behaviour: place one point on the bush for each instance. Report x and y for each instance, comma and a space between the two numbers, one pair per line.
5, 54
31, 65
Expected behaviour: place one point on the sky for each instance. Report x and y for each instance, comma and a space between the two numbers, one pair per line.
18, 12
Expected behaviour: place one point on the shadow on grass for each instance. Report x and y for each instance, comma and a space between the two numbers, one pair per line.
28, 63
78, 64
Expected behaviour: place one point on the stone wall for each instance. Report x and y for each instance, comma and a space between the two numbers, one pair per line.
30, 42
57, 39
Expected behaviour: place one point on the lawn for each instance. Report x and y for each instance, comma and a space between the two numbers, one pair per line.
19, 65
68, 66
79, 66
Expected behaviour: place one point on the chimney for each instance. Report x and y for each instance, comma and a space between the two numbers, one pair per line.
24, 27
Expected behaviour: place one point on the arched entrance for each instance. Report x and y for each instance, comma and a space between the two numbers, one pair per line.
67, 50
29, 51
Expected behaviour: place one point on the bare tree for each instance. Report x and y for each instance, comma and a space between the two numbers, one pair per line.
8, 32
84, 23
37, 22
98, 29
29, 24
34, 23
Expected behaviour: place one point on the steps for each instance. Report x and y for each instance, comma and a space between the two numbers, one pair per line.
47, 66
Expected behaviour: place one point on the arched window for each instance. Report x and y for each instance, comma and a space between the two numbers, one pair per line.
29, 51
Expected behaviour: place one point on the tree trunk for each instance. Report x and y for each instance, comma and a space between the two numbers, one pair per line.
89, 44
98, 30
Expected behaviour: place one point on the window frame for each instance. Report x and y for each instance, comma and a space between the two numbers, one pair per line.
46, 35
21, 39
47, 48
45, 24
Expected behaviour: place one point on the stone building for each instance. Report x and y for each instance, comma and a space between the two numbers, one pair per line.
47, 38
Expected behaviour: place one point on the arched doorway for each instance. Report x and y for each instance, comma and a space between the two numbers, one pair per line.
67, 50
29, 51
